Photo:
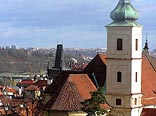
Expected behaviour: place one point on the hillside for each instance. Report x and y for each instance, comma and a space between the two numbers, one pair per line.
22, 61
33, 60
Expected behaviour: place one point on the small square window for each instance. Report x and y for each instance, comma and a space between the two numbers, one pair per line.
118, 101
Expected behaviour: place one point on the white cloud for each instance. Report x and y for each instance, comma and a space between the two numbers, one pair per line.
41, 22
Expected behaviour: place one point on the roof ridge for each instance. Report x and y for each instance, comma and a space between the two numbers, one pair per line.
150, 62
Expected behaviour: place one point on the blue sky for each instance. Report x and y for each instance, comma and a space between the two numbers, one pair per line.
78, 23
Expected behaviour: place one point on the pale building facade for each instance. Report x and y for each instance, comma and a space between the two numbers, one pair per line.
124, 58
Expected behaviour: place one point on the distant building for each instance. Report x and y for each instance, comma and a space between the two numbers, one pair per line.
59, 66
73, 66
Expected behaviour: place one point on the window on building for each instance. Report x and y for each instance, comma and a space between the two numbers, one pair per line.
135, 101
118, 101
136, 44
136, 76
119, 76
119, 44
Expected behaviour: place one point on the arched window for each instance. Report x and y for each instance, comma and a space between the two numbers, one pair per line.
119, 44
119, 76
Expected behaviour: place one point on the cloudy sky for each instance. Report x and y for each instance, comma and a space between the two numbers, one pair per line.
75, 23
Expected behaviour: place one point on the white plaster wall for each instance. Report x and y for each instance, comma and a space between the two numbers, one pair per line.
136, 112
136, 67
138, 96
136, 34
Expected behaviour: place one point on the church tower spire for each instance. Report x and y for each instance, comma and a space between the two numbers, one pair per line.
124, 57
145, 49
146, 44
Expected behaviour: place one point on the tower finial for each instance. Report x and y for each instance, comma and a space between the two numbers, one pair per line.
124, 1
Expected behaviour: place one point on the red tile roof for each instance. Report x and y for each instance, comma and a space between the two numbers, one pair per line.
148, 112
26, 82
9, 89
41, 83
98, 67
75, 89
32, 88
83, 84
148, 82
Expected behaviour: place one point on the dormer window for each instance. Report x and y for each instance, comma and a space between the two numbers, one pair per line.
119, 44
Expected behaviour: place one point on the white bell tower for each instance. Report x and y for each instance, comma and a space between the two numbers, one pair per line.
124, 57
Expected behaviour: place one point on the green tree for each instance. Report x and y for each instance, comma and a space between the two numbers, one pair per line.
92, 106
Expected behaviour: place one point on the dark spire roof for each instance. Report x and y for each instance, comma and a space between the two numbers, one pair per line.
59, 59
146, 43
145, 49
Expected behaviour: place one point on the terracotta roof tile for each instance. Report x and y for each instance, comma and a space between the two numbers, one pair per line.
75, 89
32, 88
26, 82
69, 99
98, 67
148, 82
83, 84
9, 89
148, 112
41, 83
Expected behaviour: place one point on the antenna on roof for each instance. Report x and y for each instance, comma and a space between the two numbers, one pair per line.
146, 37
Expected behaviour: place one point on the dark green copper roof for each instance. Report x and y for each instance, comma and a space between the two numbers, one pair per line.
124, 14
